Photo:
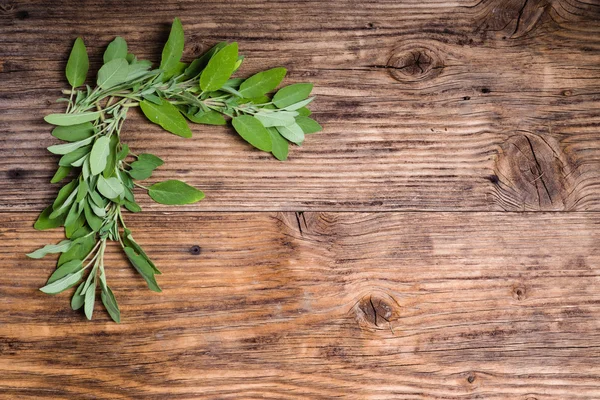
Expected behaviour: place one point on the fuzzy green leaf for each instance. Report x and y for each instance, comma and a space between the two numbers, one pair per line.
219, 68
262, 83
173, 50
253, 132
174, 192
116, 49
167, 116
78, 64
72, 119
113, 73
292, 94
74, 133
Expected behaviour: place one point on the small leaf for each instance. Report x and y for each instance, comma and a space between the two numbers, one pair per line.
99, 155
219, 68
280, 145
92, 219
44, 221
208, 118
73, 214
111, 160
116, 49
167, 116
80, 249
74, 133
293, 133
299, 105
82, 191
143, 168
76, 226
304, 112
292, 94
308, 125
64, 193
123, 153
276, 118
110, 188
174, 192
110, 302
262, 83
66, 148
72, 119
65, 269
63, 283
78, 300
142, 266
90, 299
73, 157
61, 247
253, 132
131, 206
61, 173
130, 242
173, 50
113, 73
78, 64
200, 63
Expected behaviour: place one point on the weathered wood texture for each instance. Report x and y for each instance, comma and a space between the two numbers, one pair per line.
429, 105
363, 305
457, 109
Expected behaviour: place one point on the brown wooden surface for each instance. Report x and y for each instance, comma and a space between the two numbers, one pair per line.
389, 258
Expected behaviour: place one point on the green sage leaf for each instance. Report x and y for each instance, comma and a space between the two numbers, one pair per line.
73, 157
208, 118
65, 269
252, 131
308, 125
63, 283
61, 247
299, 105
199, 64
92, 219
116, 49
262, 83
113, 73
174, 192
78, 300
167, 116
99, 155
292, 94
111, 160
90, 299
293, 133
110, 303
74, 133
110, 188
66, 148
72, 119
44, 221
219, 68
60, 174
78, 64
276, 118
173, 50
144, 269
280, 145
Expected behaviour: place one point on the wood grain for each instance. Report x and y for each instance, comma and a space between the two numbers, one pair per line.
418, 248
419, 101
356, 305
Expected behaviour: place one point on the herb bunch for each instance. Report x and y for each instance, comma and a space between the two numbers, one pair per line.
106, 172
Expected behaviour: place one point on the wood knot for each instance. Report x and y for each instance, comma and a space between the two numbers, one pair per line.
376, 311
195, 250
519, 292
413, 64
16, 173
534, 173
471, 378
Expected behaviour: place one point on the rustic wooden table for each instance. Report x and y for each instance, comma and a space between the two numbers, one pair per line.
440, 238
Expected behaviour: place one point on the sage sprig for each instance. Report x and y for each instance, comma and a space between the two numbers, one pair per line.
104, 172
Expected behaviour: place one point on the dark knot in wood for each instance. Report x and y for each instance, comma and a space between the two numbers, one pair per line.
535, 173
412, 64
519, 292
376, 311
16, 173
195, 250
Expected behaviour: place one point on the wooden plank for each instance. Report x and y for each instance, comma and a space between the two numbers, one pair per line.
318, 305
427, 105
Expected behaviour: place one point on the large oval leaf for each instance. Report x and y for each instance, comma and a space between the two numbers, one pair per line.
78, 64
262, 83
116, 49
72, 119
110, 188
99, 154
292, 94
174, 192
74, 133
173, 50
253, 132
167, 116
219, 68
113, 73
